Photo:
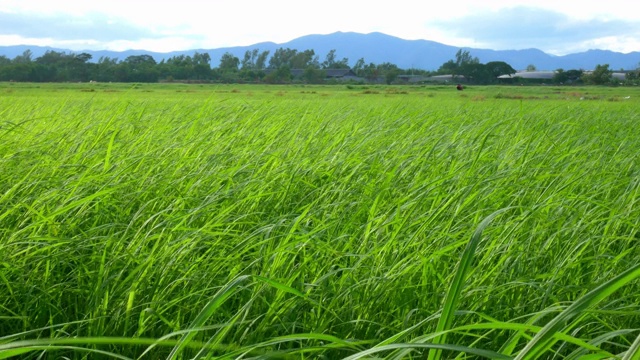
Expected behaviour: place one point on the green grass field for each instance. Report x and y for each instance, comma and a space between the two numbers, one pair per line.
173, 221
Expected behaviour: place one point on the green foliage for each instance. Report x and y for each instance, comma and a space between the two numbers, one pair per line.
60, 67
358, 68
464, 58
278, 76
331, 61
601, 75
293, 59
25, 58
389, 71
448, 67
567, 77
499, 68
254, 60
633, 77
228, 63
314, 75
473, 71
137, 68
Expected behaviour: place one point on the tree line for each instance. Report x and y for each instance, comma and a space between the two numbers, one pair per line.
254, 66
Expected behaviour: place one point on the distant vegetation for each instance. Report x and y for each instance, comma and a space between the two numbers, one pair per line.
283, 66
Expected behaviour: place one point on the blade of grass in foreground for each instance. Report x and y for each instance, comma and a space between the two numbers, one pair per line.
453, 296
634, 351
81, 344
218, 299
329, 342
457, 348
16, 352
16, 348
544, 339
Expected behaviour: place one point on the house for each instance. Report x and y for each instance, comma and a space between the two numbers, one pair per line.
341, 74
547, 75
330, 74
412, 79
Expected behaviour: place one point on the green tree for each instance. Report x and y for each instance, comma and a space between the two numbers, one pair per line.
179, 67
314, 75
228, 63
471, 68
249, 60
105, 69
358, 68
279, 75
499, 68
202, 65
52, 66
303, 60
389, 71
252, 65
599, 76
567, 77
137, 68
477, 73
449, 67
331, 61
463, 57
574, 75
371, 72
466, 65
254, 60
463, 63
251, 75
80, 68
25, 58
18, 72
531, 67
559, 77
282, 57
261, 60
59, 66
633, 77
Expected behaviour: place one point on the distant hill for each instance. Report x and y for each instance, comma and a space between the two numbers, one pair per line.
379, 48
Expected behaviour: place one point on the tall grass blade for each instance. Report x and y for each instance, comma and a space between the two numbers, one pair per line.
97, 353
457, 348
107, 157
633, 353
583, 350
453, 296
6, 354
544, 339
218, 299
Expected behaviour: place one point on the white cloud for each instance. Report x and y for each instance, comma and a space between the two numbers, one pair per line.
169, 25
551, 31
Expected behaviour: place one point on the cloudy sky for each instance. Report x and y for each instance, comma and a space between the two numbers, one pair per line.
554, 26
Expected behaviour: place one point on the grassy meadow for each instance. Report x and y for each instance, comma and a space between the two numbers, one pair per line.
175, 221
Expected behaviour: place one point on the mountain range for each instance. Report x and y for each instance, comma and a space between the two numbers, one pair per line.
378, 48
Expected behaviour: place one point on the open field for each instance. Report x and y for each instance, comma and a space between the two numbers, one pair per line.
239, 221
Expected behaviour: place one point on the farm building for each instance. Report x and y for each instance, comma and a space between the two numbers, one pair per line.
331, 74
549, 75
341, 74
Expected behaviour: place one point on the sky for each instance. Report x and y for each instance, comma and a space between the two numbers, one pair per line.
557, 27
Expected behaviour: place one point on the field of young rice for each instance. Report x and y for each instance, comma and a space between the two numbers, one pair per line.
202, 221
